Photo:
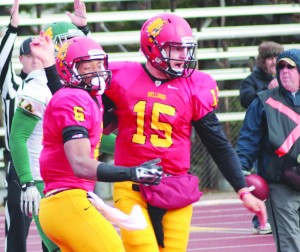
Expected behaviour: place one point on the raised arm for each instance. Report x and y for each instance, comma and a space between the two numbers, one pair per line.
9, 81
78, 18
14, 13
43, 48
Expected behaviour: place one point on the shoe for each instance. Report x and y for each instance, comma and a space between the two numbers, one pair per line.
266, 230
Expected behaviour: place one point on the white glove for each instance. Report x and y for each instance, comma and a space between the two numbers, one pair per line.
246, 173
134, 221
30, 199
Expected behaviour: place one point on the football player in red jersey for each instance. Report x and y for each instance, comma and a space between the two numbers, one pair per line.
156, 105
72, 131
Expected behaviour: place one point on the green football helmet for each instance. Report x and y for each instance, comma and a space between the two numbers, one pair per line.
59, 32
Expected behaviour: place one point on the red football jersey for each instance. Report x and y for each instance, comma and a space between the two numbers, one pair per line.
154, 118
68, 107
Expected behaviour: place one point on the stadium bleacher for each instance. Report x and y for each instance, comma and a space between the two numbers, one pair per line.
205, 33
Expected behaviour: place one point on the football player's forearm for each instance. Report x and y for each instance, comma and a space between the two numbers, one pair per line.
54, 83
213, 137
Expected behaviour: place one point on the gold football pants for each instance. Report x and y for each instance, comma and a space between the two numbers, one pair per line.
73, 223
176, 223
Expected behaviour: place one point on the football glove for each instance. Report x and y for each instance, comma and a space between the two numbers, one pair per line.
147, 173
246, 173
30, 199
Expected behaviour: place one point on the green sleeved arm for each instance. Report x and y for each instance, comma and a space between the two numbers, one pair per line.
108, 143
23, 125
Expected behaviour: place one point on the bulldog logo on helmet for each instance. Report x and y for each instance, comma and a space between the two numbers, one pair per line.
62, 53
155, 28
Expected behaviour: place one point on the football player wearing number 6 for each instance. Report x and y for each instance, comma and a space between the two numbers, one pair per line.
156, 105
72, 130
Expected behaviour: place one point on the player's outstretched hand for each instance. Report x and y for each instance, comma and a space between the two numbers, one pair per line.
14, 13
256, 206
148, 173
42, 47
79, 16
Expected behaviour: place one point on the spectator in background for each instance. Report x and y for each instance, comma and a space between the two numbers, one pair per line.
263, 73
262, 77
270, 134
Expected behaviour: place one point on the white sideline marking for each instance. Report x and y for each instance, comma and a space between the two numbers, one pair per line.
216, 202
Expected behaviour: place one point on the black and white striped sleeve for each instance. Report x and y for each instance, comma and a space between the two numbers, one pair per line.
10, 82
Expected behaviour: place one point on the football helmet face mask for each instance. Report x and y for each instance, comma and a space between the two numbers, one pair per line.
168, 44
72, 54
59, 32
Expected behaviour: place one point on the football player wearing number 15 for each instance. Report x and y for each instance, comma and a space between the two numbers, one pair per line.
156, 105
